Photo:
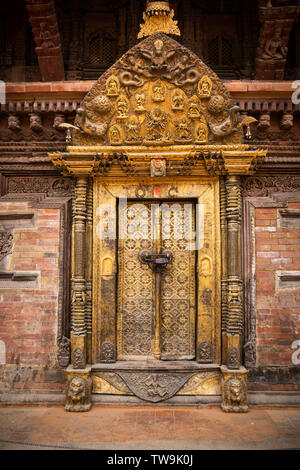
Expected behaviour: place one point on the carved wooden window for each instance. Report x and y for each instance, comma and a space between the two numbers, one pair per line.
220, 52
102, 49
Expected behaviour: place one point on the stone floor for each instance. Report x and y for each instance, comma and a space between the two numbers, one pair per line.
148, 427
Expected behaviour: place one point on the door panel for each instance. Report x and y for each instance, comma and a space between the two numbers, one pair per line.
156, 227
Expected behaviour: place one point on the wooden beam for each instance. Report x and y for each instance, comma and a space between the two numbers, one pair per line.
43, 19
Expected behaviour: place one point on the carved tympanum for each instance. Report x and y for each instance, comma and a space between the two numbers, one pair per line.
158, 93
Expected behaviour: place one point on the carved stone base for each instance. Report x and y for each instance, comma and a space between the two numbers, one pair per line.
234, 390
79, 388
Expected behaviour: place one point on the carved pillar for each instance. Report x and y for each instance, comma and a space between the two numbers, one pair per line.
234, 321
223, 228
89, 268
234, 384
78, 295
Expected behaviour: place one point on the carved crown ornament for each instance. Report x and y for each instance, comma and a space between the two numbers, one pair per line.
159, 101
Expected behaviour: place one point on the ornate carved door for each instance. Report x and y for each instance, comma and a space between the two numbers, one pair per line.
156, 308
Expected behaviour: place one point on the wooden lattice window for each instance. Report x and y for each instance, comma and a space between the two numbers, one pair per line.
101, 49
220, 51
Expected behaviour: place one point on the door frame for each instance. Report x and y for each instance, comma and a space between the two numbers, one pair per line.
208, 272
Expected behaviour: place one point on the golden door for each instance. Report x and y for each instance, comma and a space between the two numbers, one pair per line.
156, 308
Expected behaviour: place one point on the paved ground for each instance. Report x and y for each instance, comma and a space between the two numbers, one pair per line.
120, 427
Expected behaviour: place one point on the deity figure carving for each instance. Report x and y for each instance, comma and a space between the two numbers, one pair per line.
122, 107
35, 122
133, 127
183, 130
184, 72
115, 135
201, 136
234, 395
158, 92
177, 101
158, 167
13, 122
45, 36
274, 49
79, 394
204, 87
140, 98
287, 121
264, 121
158, 57
112, 86
157, 125
194, 108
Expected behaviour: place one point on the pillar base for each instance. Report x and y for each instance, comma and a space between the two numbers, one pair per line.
234, 390
79, 389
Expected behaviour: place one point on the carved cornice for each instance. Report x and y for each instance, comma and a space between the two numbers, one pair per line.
180, 160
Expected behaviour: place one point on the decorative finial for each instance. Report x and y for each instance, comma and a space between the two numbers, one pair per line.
158, 18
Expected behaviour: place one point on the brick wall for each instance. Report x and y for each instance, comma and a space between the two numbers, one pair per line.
28, 318
277, 304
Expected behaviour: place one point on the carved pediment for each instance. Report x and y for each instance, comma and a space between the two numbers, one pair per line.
158, 101
158, 93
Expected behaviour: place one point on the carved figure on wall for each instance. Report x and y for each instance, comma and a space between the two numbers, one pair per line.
78, 394
157, 125
157, 56
274, 49
194, 107
140, 98
158, 92
35, 122
158, 167
233, 358
204, 87
122, 107
201, 136
63, 353
264, 121
107, 353
133, 127
184, 72
6, 243
78, 358
112, 86
46, 37
287, 121
234, 395
58, 120
115, 135
177, 100
13, 122
205, 351
183, 130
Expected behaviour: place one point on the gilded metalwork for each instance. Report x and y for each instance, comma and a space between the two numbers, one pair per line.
158, 17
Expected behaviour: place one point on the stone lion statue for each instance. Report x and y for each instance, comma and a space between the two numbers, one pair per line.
78, 394
234, 395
